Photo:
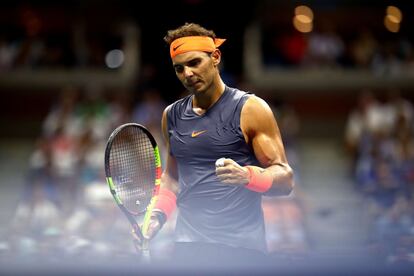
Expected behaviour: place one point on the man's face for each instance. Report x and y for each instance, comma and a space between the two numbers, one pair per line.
196, 70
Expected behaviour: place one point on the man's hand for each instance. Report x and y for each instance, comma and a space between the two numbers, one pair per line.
229, 172
154, 226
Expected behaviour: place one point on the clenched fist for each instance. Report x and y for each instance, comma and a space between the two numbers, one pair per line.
230, 172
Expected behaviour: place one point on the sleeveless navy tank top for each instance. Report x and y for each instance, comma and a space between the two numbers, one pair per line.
208, 210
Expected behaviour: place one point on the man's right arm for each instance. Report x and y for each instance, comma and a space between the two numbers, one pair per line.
168, 187
169, 178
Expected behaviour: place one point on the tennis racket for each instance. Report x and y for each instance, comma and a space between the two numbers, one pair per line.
133, 172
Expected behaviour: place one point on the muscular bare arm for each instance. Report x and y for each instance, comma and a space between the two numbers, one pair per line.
169, 181
169, 178
262, 133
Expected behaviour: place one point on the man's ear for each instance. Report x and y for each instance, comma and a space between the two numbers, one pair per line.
216, 56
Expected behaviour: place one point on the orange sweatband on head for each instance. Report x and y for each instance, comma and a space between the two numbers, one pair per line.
194, 43
260, 180
166, 202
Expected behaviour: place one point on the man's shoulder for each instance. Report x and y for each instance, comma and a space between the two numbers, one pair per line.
178, 106
256, 105
179, 102
238, 94
235, 90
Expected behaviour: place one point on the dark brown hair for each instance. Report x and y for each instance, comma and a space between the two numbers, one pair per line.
188, 29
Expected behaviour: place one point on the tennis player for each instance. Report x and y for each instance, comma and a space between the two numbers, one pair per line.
225, 153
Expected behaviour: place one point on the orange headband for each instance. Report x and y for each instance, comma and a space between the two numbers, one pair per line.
194, 43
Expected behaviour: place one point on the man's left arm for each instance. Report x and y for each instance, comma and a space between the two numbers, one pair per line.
261, 132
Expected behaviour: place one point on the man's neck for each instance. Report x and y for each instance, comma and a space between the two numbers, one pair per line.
202, 102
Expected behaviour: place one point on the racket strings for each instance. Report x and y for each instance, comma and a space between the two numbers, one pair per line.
133, 168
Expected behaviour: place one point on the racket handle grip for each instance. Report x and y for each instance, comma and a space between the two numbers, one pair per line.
145, 252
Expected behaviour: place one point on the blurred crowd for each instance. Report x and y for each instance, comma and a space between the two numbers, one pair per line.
34, 42
328, 48
66, 207
55, 38
20, 51
379, 139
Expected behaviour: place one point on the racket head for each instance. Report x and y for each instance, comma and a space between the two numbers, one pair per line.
132, 167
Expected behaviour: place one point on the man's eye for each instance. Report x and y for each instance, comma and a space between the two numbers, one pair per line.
179, 69
194, 63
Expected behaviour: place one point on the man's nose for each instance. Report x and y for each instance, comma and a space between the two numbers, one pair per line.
187, 72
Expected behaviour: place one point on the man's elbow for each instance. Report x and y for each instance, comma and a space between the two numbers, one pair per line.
288, 183
284, 186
